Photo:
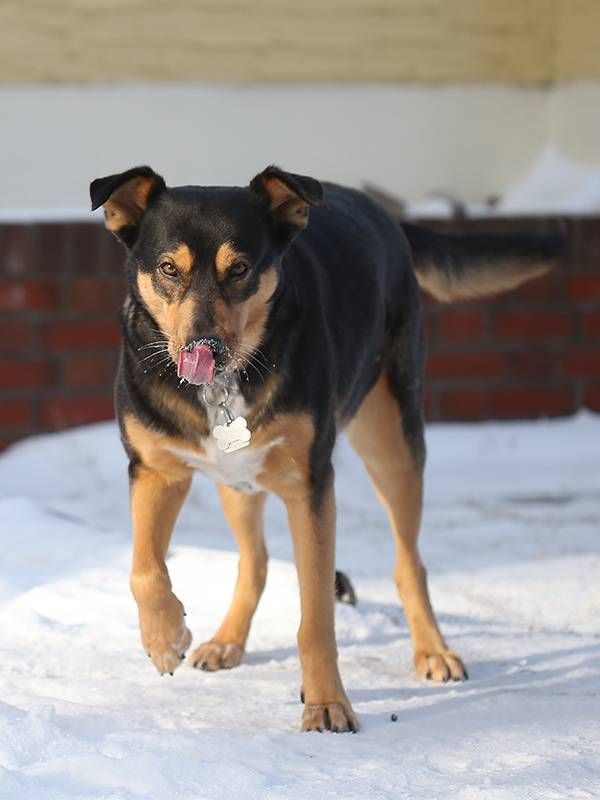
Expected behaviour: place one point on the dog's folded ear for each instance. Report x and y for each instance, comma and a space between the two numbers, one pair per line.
288, 196
125, 198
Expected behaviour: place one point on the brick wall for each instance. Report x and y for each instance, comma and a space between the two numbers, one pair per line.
530, 353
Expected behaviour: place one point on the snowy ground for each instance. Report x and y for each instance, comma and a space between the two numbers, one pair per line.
511, 538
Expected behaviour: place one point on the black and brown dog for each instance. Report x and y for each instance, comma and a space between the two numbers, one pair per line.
251, 338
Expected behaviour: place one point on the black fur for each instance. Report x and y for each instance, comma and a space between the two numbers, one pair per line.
347, 305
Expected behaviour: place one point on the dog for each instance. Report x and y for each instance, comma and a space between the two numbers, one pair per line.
260, 322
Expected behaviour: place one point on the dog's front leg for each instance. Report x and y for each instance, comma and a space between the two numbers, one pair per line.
312, 523
156, 499
244, 513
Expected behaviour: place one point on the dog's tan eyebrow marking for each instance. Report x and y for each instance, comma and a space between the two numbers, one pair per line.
225, 257
182, 257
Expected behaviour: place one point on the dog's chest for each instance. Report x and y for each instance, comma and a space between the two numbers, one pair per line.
239, 469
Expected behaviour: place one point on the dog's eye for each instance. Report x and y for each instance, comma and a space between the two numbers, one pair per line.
239, 269
169, 269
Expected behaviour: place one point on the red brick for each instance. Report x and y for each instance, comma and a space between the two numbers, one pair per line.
51, 249
459, 325
25, 373
533, 364
95, 251
15, 249
62, 412
75, 335
541, 290
583, 287
463, 404
586, 243
531, 402
16, 413
591, 397
519, 326
89, 371
15, 335
485, 365
591, 324
96, 294
582, 362
430, 325
28, 295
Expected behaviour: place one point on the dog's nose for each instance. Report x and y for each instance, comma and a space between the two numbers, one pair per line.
216, 344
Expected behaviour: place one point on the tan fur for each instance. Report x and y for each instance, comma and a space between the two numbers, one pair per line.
156, 499
257, 311
287, 473
479, 283
154, 448
241, 325
127, 203
182, 257
286, 202
286, 468
377, 434
313, 536
192, 421
244, 513
226, 256
174, 314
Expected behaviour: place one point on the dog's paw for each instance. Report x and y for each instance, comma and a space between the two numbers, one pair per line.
165, 636
212, 656
334, 717
440, 667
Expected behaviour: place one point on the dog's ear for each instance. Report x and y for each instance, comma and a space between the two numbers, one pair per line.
288, 197
125, 198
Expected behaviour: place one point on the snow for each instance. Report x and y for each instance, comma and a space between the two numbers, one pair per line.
510, 537
555, 184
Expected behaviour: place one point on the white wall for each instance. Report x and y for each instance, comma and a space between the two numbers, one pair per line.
471, 141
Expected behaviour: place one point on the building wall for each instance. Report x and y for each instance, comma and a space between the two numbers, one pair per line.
431, 41
530, 353
408, 140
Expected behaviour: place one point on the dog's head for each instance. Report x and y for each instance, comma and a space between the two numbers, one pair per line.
204, 261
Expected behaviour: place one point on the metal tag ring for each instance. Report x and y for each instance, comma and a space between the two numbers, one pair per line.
210, 399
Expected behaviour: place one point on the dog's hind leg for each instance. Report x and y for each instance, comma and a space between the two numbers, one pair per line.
394, 462
244, 514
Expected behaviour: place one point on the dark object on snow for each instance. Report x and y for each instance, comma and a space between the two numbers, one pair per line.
344, 591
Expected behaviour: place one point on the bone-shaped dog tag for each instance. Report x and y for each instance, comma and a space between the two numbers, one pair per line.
232, 436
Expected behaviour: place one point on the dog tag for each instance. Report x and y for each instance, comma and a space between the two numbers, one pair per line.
232, 436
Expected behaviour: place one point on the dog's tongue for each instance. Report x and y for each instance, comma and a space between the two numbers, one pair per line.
196, 365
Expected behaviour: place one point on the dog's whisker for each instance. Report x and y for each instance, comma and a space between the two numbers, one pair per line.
153, 355
157, 343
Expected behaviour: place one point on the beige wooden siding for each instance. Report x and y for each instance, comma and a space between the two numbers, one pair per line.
425, 41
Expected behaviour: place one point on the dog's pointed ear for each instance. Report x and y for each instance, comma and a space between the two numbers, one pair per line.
125, 198
288, 197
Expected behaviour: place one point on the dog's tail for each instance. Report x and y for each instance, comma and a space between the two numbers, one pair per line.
461, 267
